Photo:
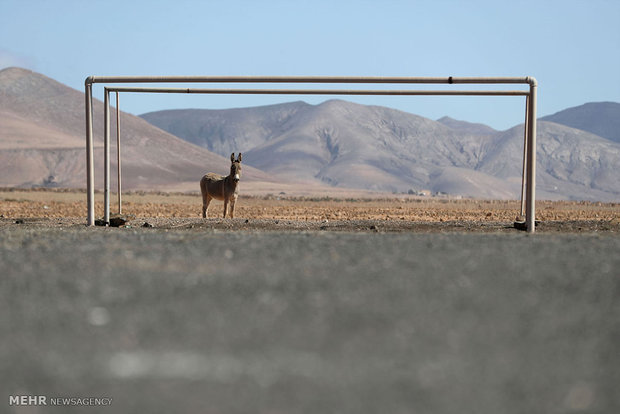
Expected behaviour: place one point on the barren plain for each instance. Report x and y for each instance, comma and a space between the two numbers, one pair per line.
281, 212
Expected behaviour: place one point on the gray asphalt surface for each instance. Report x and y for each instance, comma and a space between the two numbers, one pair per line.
310, 322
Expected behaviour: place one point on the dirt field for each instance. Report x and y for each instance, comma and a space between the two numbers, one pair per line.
310, 306
393, 213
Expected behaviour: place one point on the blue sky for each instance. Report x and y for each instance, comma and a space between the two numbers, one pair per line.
571, 47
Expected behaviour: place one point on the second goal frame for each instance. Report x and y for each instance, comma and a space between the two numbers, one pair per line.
528, 189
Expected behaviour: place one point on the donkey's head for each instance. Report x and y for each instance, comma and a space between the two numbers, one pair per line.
235, 167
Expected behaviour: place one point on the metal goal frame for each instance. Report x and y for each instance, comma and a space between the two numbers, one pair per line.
528, 183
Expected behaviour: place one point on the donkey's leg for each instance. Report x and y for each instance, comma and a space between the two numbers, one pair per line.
205, 206
225, 205
233, 200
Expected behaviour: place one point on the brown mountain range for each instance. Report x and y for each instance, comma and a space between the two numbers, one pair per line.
42, 142
334, 145
350, 145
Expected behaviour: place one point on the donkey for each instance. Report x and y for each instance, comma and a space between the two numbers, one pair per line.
222, 188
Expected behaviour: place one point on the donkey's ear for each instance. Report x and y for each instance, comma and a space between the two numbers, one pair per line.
232, 157
239, 158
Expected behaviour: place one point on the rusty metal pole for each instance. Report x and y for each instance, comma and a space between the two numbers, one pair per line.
106, 157
531, 160
90, 170
118, 152
524, 170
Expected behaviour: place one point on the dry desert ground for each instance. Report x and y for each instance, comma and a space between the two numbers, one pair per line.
387, 212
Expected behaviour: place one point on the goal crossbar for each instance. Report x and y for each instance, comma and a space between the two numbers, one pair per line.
528, 188
241, 91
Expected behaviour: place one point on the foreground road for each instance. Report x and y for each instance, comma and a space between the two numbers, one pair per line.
310, 322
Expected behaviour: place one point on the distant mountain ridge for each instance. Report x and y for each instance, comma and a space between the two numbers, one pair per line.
464, 126
42, 142
345, 144
336, 144
226, 130
599, 118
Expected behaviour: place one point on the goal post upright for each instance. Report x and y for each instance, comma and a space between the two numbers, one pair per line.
106, 157
118, 152
530, 216
529, 160
90, 169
